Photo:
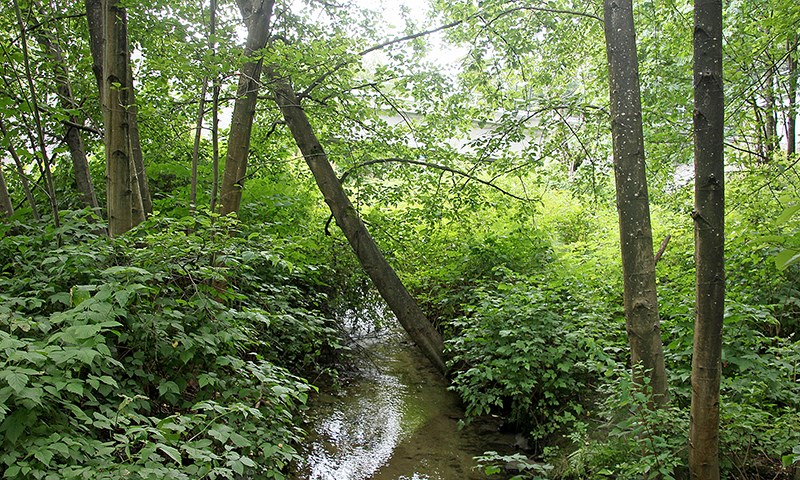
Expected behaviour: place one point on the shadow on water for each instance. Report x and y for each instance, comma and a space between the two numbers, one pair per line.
395, 420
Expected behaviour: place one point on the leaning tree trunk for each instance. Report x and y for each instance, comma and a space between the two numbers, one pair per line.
44, 164
369, 255
6, 207
709, 222
198, 132
23, 178
636, 238
80, 164
116, 94
257, 15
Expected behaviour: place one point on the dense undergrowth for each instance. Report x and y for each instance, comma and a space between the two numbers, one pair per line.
176, 351
188, 347
537, 335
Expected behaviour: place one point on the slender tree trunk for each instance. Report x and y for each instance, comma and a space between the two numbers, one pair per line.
23, 178
94, 20
636, 238
144, 204
44, 165
6, 206
116, 93
257, 15
369, 255
80, 164
215, 143
791, 118
215, 88
198, 131
709, 222
770, 115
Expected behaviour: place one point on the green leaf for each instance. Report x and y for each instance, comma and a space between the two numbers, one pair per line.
237, 467
786, 258
75, 387
239, 440
787, 214
17, 381
172, 452
44, 455
168, 387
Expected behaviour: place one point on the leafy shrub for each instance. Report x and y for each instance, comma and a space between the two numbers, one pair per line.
162, 354
516, 354
635, 440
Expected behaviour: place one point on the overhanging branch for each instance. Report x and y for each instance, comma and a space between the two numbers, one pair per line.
423, 164
314, 84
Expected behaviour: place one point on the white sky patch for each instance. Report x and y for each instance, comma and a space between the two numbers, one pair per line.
393, 23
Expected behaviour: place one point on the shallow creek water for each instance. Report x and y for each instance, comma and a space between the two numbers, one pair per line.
395, 420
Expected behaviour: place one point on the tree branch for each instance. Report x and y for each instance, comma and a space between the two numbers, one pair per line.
423, 164
662, 248
440, 28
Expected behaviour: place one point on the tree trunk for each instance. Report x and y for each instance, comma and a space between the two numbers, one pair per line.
709, 222
80, 164
144, 203
141, 202
636, 238
6, 207
26, 186
369, 255
44, 164
257, 15
770, 115
116, 94
791, 119
198, 131
215, 87
94, 20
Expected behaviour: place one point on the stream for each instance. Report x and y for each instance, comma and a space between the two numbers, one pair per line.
394, 420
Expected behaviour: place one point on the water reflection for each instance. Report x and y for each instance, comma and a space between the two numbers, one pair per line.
358, 434
395, 421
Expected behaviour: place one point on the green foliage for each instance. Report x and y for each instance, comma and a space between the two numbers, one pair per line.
636, 440
517, 354
493, 463
163, 354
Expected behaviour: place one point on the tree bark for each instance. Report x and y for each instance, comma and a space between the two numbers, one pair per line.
44, 164
141, 202
770, 115
80, 164
26, 186
709, 222
636, 238
369, 255
94, 20
215, 88
143, 205
116, 94
791, 118
6, 206
257, 15
198, 131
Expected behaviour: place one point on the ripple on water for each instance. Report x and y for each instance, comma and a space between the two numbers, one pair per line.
357, 436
